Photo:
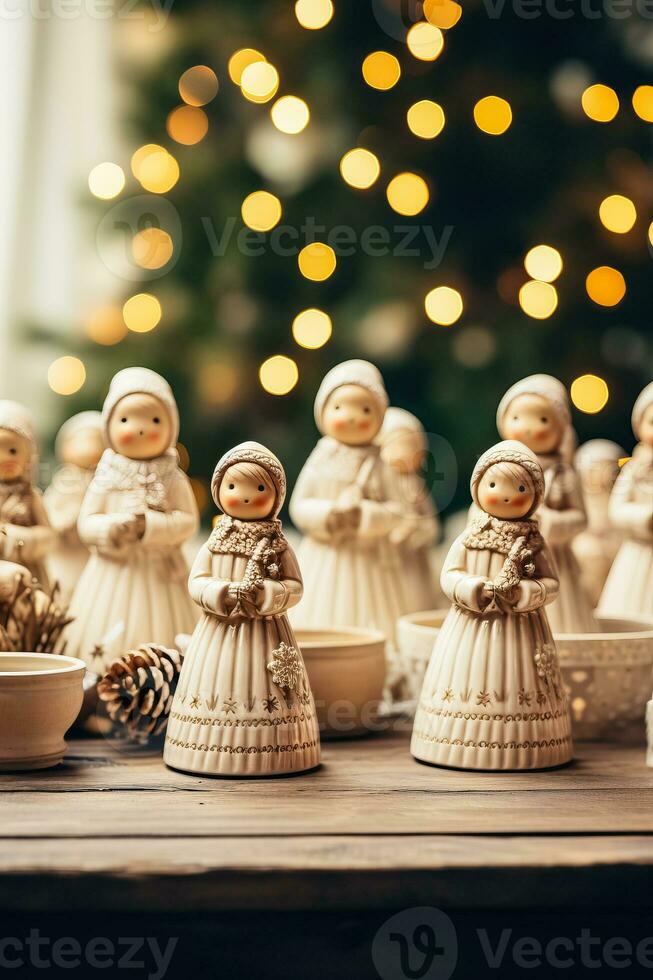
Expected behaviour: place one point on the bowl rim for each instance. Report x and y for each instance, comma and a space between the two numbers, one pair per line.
412, 619
65, 665
343, 636
644, 632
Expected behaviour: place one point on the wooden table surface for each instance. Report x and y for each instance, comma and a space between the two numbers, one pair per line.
113, 829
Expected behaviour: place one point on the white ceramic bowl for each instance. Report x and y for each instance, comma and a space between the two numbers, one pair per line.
416, 636
346, 668
40, 698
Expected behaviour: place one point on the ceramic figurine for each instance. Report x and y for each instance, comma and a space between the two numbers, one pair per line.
649, 733
346, 503
493, 696
404, 446
79, 446
137, 512
26, 536
595, 548
536, 412
243, 705
629, 587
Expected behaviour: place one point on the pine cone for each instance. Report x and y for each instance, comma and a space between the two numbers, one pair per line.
138, 690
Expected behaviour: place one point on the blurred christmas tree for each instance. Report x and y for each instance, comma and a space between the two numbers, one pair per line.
502, 175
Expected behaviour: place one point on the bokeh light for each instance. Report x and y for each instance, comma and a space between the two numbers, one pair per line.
543, 262
261, 211
152, 248
425, 41
590, 394
643, 102
606, 286
538, 300
493, 115
444, 14
66, 375
408, 194
278, 375
259, 82
444, 306
360, 168
240, 60
600, 103
426, 119
198, 85
218, 382
312, 328
142, 312
381, 70
314, 14
187, 124
290, 114
106, 326
106, 180
650, 233
317, 262
474, 347
155, 168
618, 214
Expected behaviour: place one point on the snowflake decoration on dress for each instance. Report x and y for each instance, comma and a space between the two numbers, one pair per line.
545, 661
286, 667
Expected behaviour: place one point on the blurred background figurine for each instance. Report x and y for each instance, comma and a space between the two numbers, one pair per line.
78, 447
595, 548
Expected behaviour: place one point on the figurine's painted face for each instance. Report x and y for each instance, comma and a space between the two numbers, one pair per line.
404, 452
139, 427
15, 455
352, 415
83, 448
506, 491
530, 419
247, 492
645, 432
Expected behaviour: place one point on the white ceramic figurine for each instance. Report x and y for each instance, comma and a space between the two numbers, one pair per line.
595, 548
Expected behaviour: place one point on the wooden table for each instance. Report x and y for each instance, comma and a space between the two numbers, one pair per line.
114, 837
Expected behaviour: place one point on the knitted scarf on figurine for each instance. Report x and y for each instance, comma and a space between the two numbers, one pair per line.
17, 503
519, 540
116, 472
260, 541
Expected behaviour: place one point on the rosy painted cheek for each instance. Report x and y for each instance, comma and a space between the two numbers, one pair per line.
340, 424
154, 436
491, 499
364, 425
125, 439
542, 433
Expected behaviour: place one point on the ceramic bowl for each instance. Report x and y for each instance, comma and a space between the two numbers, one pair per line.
40, 698
346, 668
416, 636
608, 677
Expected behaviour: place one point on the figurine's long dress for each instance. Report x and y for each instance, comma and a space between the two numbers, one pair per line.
421, 590
228, 716
63, 501
484, 705
629, 588
352, 579
133, 594
26, 544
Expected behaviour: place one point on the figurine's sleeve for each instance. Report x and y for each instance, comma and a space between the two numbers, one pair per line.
180, 522
30, 543
627, 514
62, 506
542, 588
561, 526
458, 585
309, 510
208, 592
284, 593
426, 524
94, 524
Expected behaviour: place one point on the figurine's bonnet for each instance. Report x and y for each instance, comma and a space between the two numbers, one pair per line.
361, 373
77, 423
397, 420
16, 418
644, 400
137, 381
544, 385
510, 451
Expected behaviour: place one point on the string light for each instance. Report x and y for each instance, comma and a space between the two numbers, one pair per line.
444, 14
643, 102
290, 114
106, 180
240, 60
650, 233
538, 300
618, 214
317, 262
543, 262
278, 375
600, 103
155, 168
142, 313
187, 124
152, 248
314, 14
106, 326
66, 375
259, 82
606, 286
425, 41
408, 194
198, 85
218, 382
426, 119
312, 329
444, 306
381, 70
493, 115
360, 168
261, 211
590, 394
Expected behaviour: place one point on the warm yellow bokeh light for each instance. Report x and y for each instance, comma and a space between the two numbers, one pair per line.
198, 85
314, 14
543, 262
408, 194
317, 262
444, 14
142, 313
538, 299
66, 375
425, 41
152, 248
312, 329
606, 286
643, 102
381, 70
261, 211
590, 394
158, 172
106, 180
259, 82
618, 214
278, 375
240, 60
444, 305
106, 326
360, 168
426, 119
650, 233
290, 114
493, 115
600, 103
187, 124
141, 154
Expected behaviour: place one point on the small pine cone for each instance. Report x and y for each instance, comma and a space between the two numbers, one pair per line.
138, 690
